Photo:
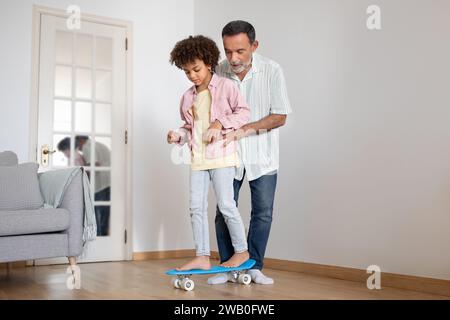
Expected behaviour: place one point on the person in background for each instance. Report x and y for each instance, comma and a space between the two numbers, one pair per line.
102, 184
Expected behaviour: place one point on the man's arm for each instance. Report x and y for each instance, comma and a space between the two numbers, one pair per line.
267, 123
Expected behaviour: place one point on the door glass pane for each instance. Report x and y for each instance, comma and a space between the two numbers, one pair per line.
83, 50
78, 159
103, 82
63, 47
102, 185
103, 118
61, 144
103, 53
84, 145
104, 146
62, 115
84, 83
102, 190
83, 116
63, 81
91, 182
102, 217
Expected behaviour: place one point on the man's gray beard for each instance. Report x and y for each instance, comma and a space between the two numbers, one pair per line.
241, 68
238, 70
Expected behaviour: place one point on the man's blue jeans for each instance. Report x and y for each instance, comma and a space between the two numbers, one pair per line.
262, 197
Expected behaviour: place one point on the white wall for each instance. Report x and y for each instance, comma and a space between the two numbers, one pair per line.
365, 157
157, 89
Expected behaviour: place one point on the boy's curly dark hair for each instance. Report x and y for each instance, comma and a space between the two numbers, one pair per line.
195, 47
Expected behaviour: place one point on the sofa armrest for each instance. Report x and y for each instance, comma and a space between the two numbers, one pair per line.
73, 201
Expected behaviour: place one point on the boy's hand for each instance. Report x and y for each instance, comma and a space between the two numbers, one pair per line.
173, 137
214, 132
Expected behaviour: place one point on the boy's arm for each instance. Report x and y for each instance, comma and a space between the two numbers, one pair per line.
184, 136
185, 130
240, 108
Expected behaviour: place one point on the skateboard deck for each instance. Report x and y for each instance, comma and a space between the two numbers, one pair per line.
183, 280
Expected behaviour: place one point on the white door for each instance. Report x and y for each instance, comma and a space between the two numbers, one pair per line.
82, 119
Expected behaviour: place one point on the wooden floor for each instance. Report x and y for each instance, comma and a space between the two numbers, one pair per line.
146, 280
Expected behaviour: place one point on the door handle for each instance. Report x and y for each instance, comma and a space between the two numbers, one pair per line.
45, 153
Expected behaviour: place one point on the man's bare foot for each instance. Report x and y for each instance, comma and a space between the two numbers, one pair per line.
236, 260
200, 262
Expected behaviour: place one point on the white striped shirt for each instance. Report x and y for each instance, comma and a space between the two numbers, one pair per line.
264, 89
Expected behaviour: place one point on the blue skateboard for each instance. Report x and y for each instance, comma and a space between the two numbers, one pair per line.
184, 282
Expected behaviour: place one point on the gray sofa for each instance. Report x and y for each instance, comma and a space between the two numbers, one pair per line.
29, 231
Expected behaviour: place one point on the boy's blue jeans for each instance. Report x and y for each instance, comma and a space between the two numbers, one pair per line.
222, 181
262, 197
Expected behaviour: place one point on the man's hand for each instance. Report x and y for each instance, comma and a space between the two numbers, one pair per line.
236, 135
173, 137
214, 132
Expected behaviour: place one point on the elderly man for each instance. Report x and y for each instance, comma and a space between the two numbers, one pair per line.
261, 82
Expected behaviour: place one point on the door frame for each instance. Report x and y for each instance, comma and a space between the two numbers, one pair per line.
38, 11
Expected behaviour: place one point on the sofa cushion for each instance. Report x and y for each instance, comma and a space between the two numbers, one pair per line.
19, 222
19, 187
8, 158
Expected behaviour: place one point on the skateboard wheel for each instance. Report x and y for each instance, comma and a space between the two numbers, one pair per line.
187, 284
245, 279
176, 283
